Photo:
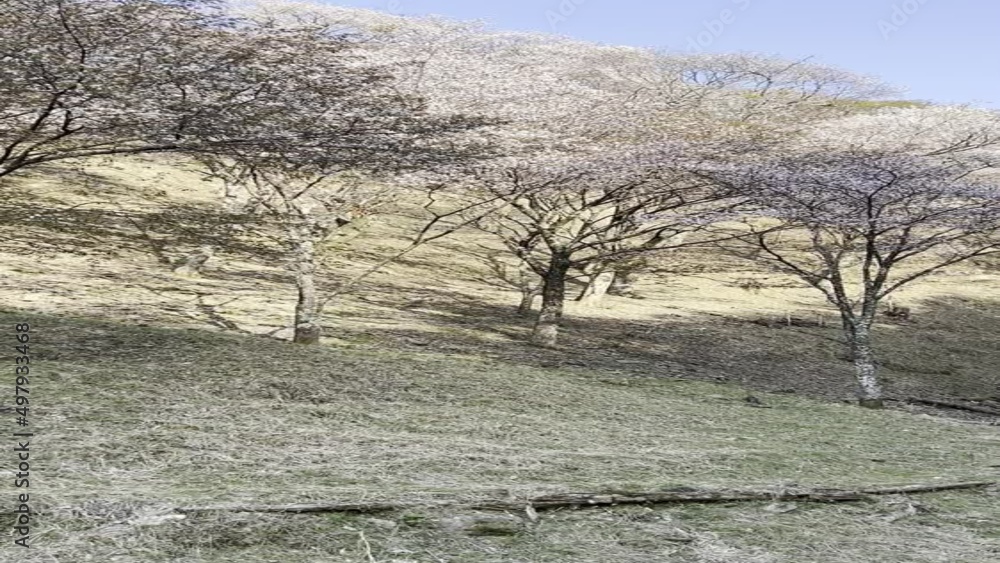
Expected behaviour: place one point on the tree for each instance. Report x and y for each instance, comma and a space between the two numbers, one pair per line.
308, 191
278, 109
303, 208
858, 225
336, 157
609, 190
565, 212
82, 78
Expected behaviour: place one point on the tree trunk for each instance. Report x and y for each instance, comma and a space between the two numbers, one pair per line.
546, 332
307, 328
528, 295
865, 367
623, 284
597, 288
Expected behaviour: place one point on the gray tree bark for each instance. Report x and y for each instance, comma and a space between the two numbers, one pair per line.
546, 332
869, 390
528, 296
623, 284
307, 327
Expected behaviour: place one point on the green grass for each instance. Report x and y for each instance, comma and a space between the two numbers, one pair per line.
135, 419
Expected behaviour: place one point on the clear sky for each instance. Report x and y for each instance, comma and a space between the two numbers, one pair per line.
946, 51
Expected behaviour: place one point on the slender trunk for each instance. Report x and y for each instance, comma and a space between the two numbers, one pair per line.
597, 287
623, 284
528, 295
307, 327
527, 281
546, 332
869, 390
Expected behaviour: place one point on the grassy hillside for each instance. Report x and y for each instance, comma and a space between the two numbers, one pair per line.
424, 392
133, 420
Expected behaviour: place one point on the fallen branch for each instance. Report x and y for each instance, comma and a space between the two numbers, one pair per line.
905, 489
990, 399
359, 507
578, 500
957, 406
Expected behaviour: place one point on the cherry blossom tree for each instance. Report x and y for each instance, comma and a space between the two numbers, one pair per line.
338, 157
279, 109
613, 201
83, 78
308, 191
300, 209
568, 212
309, 188
893, 204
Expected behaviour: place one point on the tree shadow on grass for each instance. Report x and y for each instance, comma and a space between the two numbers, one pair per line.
166, 234
947, 351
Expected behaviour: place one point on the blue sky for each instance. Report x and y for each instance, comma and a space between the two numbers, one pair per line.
946, 51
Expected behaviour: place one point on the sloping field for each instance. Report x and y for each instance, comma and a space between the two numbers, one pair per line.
132, 421
424, 393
